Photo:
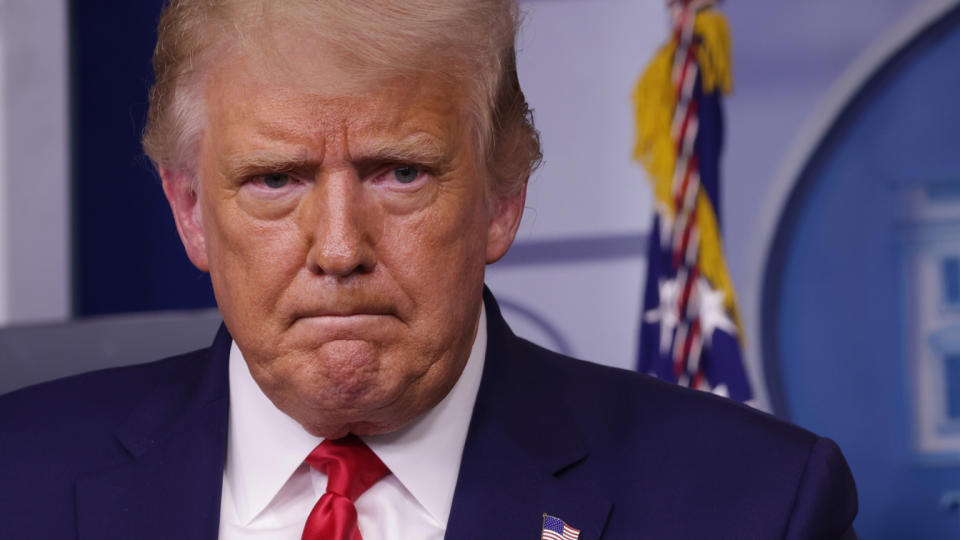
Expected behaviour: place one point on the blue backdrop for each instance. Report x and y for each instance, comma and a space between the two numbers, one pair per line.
837, 293
127, 256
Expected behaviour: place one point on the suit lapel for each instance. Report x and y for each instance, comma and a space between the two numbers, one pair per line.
523, 442
176, 441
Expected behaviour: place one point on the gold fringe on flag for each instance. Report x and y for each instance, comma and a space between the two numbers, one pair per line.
654, 99
713, 55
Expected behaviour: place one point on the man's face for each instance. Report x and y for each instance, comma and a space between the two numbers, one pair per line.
345, 233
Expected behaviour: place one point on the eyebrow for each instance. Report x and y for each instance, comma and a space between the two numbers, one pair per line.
417, 148
246, 164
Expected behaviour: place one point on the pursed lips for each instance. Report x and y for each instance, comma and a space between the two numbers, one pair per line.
344, 311
346, 318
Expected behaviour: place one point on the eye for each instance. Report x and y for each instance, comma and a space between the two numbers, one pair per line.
276, 180
406, 174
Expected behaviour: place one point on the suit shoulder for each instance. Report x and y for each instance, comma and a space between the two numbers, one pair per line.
56, 433
699, 448
616, 403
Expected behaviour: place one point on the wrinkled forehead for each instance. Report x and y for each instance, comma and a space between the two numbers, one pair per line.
315, 97
308, 90
305, 62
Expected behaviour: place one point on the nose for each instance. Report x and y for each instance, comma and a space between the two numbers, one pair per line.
339, 223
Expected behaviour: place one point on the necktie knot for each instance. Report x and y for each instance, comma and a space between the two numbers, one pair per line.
351, 468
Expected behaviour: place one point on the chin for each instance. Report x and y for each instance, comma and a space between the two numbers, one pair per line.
368, 408
336, 429
341, 369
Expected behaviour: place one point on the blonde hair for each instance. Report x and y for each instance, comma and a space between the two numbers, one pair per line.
469, 41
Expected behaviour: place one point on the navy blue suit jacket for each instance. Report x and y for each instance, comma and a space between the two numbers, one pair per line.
138, 453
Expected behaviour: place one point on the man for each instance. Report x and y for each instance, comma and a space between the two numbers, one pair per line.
344, 170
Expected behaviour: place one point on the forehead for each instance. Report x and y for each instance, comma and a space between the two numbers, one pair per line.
307, 95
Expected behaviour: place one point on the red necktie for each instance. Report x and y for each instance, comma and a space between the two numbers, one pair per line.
351, 468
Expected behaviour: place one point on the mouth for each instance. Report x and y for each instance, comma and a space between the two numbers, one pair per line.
345, 312
344, 316
326, 326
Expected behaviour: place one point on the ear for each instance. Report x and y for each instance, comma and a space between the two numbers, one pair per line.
504, 224
185, 205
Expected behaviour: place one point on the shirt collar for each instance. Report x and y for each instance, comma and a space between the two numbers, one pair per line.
265, 446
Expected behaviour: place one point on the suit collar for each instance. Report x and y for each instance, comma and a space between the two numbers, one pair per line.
177, 401
534, 416
176, 441
523, 448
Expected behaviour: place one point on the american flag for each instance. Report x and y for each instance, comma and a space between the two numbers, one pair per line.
556, 529
690, 331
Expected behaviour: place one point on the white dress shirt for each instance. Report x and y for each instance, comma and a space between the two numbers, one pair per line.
268, 490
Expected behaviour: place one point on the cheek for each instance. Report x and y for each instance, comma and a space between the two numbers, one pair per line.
251, 260
438, 253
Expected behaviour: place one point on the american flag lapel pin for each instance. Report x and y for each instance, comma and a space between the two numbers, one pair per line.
556, 529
